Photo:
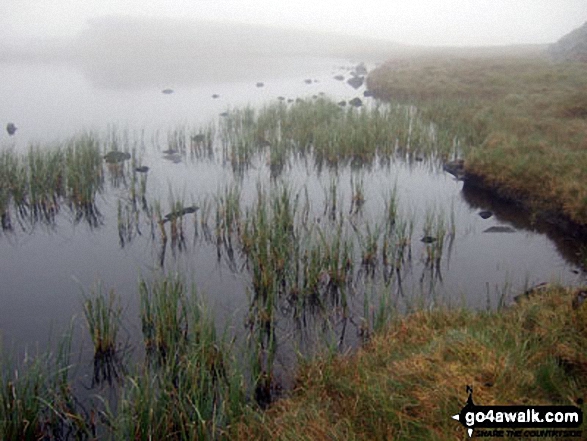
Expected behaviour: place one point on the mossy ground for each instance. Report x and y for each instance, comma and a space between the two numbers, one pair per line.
408, 381
521, 120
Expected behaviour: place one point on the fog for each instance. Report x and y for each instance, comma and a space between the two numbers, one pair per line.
137, 43
418, 22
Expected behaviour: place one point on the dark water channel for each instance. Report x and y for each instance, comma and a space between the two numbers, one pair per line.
45, 267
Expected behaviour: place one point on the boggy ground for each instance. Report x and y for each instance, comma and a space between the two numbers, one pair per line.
409, 381
520, 121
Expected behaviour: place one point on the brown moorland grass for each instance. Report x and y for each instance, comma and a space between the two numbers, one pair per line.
521, 120
408, 381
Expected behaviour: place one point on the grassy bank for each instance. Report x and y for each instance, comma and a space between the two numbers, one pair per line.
409, 381
520, 121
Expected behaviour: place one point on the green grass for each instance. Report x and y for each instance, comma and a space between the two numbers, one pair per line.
37, 184
519, 121
103, 318
410, 379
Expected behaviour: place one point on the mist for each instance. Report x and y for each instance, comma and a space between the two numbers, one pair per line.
147, 43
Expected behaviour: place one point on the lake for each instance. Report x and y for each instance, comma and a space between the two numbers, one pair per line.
450, 254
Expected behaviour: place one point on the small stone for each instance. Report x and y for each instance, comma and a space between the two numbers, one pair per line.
142, 169
355, 82
167, 91
500, 229
260, 84
10, 128
485, 214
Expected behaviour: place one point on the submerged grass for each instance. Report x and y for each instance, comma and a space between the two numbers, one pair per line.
518, 120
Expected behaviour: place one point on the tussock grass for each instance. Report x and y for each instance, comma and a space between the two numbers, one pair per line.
409, 380
34, 186
519, 121
334, 136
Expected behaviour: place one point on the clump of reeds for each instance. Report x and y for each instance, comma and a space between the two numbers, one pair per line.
164, 317
36, 399
320, 127
103, 315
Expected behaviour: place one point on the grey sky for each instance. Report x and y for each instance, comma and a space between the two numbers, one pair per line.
425, 22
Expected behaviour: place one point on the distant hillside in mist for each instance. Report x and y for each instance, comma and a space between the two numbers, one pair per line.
571, 47
174, 40
124, 51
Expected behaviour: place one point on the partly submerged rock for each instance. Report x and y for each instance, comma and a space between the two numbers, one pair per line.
174, 157
532, 291
485, 214
142, 169
308, 81
260, 84
368, 93
360, 69
455, 168
342, 103
170, 151
199, 138
356, 102
11, 128
167, 91
579, 298
500, 229
428, 239
116, 156
180, 213
225, 114
339, 77
215, 95
355, 82
281, 98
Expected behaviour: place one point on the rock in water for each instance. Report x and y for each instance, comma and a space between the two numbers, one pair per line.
179, 213
167, 91
428, 239
142, 169
485, 214
360, 69
356, 102
339, 77
355, 82
260, 84
500, 229
11, 128
455, 168
116, 156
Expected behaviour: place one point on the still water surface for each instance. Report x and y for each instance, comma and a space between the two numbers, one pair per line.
44, 269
